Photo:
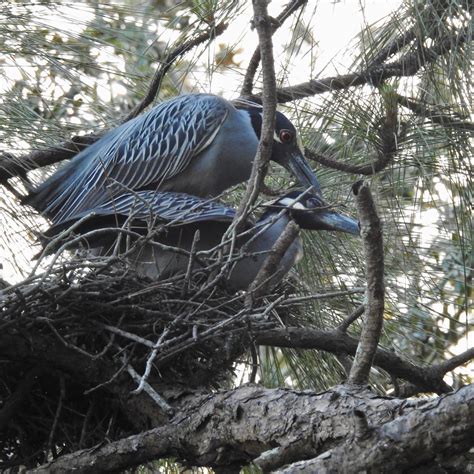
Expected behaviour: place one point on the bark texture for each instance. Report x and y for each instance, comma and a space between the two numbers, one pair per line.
274, 427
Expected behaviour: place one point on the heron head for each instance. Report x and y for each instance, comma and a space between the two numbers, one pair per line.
310, 212
287, 146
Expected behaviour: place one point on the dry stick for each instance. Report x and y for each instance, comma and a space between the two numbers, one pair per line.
270, 265
247, 85
321, 296
168, 62
59, 407
158, 399
371, 232
356, 314
10, 167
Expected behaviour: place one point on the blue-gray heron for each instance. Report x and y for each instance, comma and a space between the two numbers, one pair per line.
184, 214
200, 144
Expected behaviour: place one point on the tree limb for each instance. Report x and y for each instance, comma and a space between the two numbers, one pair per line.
371, 231
411, 441
336, 342
231, 428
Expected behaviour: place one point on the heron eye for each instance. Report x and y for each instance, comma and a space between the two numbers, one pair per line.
286, 136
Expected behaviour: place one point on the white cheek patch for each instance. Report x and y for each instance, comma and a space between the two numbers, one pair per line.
276, 137
289, 202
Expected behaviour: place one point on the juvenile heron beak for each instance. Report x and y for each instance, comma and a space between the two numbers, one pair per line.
331, 220
299, 167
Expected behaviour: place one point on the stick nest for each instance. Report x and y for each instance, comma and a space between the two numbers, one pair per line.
71, 338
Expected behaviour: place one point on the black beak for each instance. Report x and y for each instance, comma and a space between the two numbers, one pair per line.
300, 168
331, 220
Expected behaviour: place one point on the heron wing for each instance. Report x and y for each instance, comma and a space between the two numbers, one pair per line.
146, 151
177, 208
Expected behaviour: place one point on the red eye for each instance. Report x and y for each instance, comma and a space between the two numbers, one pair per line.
286, 136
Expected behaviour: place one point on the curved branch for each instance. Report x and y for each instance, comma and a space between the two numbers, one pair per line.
168, 62
371, 231
336, 342
18, 166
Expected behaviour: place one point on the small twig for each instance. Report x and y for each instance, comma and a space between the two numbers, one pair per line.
247, 85
270, 266
408, 65
430, 113
354, 316
321, 296
254, 356
371, 232
128, 335
454, 362
171, 57
158, 399
59, 407
149, 362
189, 269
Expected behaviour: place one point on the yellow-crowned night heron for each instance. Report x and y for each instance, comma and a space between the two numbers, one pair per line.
199, 144
184, 214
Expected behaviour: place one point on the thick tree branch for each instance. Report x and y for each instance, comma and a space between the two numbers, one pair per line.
231, 428
411, 441
371, 231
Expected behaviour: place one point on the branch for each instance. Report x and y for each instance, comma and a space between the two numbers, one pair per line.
430, 113
408, 65
231, 428
247, 85
336, 342
371, 231
411, 441
269, 268
263, 25
171, 57
454, 362
389, 135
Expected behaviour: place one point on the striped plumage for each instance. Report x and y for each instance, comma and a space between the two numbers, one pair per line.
147, 210
200, 144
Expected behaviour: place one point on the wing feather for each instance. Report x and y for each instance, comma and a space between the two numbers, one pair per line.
145, 151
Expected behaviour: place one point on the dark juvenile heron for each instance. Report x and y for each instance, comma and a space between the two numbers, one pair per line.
184, 215
200, 144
